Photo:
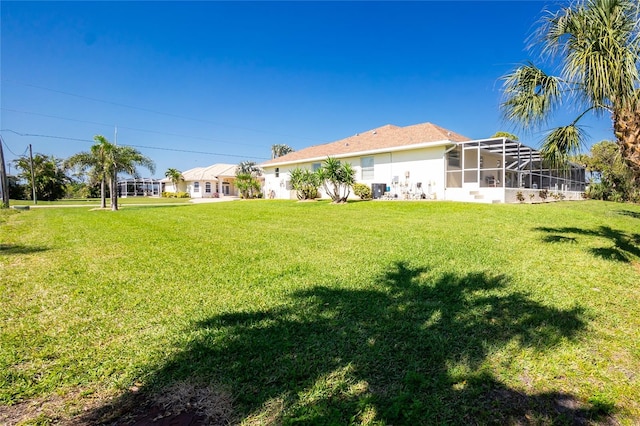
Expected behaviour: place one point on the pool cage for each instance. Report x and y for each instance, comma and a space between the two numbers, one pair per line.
503, 163
139, 187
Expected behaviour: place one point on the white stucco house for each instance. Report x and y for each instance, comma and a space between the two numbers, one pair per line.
216, 180
425, 161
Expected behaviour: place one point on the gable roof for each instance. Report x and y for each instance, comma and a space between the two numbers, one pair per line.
210, 173
382, 138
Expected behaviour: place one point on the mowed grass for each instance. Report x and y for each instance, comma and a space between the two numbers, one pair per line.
312, 313
96, 201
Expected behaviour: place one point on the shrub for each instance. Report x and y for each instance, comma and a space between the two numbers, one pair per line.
361, 190
176, 195
520, 196
305, 183
543, 194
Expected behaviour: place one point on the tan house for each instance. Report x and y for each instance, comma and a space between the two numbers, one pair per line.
206, 182
426, 161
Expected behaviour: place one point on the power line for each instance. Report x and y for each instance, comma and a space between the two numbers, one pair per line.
154, 111
125, 127
9, 149
134, 146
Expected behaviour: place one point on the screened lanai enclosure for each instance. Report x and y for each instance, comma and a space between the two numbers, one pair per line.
139, 187
497, 169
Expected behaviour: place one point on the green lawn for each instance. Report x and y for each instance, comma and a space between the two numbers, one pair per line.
276, 312
96, 201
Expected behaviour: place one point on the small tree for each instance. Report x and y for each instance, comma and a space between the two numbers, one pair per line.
50, 176
247, 174
175, 176
305, 183
337, 179
611, 179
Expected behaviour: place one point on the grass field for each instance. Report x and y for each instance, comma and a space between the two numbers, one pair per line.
275, 312
96, 201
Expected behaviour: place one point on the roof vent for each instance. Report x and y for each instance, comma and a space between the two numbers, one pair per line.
374, 132
346, 144
449, 134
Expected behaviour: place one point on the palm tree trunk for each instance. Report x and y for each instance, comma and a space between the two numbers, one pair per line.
103, 193
114, 192
626, 125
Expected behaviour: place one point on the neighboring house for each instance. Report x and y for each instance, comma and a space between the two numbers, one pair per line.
206, 182
425, 161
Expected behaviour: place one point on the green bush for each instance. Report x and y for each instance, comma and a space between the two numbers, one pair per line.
543, 194
305, 183
361, 190
176, 195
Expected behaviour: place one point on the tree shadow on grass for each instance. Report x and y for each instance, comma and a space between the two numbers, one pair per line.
624, 245
630, 213
20, 249
412, 349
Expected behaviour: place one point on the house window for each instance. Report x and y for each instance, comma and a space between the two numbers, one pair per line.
366, 163
207, 187
196, 186
315, 167
277, 171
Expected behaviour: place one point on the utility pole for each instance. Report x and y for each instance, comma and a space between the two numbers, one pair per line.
4, 183
33, 176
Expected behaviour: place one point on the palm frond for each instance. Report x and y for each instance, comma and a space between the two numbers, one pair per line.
562, 142
530, 95
598, 40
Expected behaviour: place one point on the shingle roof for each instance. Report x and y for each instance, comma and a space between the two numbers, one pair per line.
208, 173
384, 137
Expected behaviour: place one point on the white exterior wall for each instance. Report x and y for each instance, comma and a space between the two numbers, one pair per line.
425, 165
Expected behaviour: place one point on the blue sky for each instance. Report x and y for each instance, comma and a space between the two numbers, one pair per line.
196, 83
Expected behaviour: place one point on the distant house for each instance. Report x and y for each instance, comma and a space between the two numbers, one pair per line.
206, 182
425, 161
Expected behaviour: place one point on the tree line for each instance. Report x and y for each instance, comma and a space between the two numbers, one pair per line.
83, 175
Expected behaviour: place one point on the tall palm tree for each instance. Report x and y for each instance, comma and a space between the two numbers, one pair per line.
124, 159
175, 176
598, 44
280, 149
97, 159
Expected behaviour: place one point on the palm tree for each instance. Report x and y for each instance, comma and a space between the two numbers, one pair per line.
175, 176
337, 179
280, 149
97, 160
247, 173
250, 167
124, 159
598, 44
305, 183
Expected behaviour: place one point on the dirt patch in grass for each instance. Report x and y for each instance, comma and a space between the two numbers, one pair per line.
182, 404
